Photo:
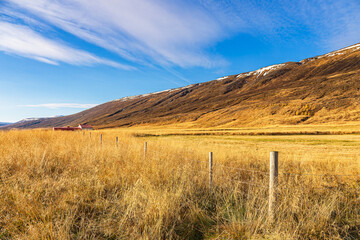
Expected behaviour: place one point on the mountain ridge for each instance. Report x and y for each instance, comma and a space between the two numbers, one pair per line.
320, 89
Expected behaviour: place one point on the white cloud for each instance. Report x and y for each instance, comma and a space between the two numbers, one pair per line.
61, 105
23, 41
141, 31
180, 33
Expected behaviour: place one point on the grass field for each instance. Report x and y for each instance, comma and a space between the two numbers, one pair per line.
66, 185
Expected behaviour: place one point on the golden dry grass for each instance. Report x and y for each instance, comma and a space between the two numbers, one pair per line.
63, 185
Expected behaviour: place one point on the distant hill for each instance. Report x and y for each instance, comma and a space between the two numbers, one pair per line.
4, 123
319, 90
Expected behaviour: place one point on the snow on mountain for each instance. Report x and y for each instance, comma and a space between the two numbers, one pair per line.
36, 119
244, 75
262, 71
265, 70
222, 78
149, 94
341, 51
353, 48
30, 119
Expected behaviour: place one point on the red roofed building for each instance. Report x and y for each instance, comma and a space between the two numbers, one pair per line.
85, 127
68, 128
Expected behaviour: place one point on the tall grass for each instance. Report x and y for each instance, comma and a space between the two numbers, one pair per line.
63, 185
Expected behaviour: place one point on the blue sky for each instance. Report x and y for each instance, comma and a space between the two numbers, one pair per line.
61, 57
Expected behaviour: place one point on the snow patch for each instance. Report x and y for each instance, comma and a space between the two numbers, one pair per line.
36, 119
341, 51
333, 54
244, 74
266, 70
262, 71
354, 47
29, 119
222, 78
149, 94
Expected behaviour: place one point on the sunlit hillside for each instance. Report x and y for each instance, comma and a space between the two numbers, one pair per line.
319, 90
69, 185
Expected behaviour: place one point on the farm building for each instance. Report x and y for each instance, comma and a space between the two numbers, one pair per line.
68, 128
85, 127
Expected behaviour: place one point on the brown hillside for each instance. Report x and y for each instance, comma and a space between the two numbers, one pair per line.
317, 90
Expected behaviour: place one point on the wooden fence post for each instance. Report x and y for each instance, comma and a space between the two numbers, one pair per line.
83, 133
145, 148
116, 141
210, 170
357, 179
89, 134
273, 184
100, 139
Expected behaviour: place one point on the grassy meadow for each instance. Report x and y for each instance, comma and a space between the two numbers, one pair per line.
66, 185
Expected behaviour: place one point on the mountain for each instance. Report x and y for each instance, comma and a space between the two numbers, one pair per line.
4, 123
317, 90
27, 122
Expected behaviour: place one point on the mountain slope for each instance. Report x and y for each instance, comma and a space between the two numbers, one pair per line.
316, 90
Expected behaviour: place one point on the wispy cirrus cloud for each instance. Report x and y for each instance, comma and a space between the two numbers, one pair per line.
181, 33
23, 41
149, 32
61, 105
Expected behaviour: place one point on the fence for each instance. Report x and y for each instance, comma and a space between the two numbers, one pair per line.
273, 176
273, 179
